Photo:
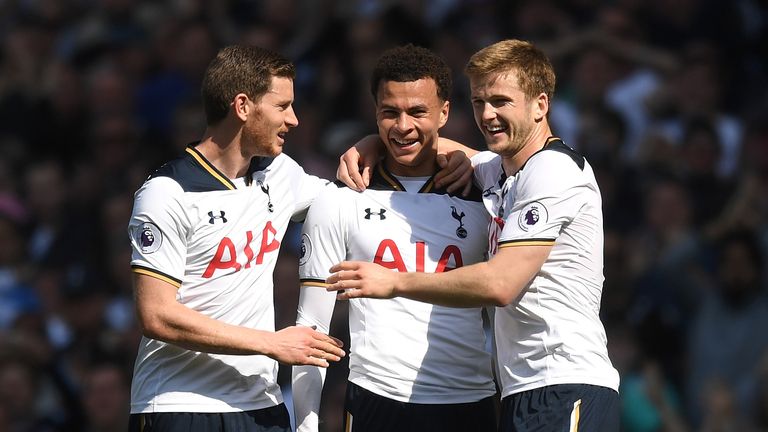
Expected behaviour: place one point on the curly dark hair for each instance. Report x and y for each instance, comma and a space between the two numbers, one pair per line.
410, 63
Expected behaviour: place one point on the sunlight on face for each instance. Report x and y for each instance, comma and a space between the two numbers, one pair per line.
409, 115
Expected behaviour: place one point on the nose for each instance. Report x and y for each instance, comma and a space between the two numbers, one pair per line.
290, 117
403, 122
487, 112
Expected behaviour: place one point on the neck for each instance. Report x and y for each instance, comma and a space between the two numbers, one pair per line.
535, 142
423, 169
221, 147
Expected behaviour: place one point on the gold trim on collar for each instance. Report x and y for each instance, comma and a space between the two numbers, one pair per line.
210, 168
392, 181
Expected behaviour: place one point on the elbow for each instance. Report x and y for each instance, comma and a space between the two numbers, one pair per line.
501, 294
153, 326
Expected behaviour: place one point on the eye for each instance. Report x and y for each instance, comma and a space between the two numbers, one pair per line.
388, 113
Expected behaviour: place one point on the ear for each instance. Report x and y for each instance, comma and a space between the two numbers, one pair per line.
444, 113
241, 106
540, 106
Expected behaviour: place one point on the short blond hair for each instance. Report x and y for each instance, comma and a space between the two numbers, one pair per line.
535, 74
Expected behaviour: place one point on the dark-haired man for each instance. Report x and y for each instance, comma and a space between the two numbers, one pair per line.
413, 366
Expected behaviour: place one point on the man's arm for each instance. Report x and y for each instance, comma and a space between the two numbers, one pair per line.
315, 310
163, 318
498, 281
356, 163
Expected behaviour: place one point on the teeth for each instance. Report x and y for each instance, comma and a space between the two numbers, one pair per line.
403, 143
494, 128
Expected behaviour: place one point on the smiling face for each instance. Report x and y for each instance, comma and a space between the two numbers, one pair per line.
506, 117
409, 115
271, 117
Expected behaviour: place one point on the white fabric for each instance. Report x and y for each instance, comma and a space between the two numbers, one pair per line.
168, 378
400, 349
552, 334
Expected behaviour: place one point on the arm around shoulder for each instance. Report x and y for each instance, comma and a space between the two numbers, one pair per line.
496, 282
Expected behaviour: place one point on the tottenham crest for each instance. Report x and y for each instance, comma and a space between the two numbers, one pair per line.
461, 232
532, 215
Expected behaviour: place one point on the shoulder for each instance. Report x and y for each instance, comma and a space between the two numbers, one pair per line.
557, 154
555, 161
159, 189
189, 175
486, 160
334, 198
553, 169
488, 170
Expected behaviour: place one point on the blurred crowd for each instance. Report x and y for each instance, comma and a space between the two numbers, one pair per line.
667, 99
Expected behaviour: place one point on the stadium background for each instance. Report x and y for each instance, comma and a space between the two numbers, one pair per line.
666, 98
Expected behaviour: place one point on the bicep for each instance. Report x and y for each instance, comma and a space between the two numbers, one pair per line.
514, 266
152, 296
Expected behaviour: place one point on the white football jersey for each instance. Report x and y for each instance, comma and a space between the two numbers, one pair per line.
401, 349
217, 240
552, 334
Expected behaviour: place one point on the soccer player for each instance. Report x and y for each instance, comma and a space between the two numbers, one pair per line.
546, 241
205, 231
413, 366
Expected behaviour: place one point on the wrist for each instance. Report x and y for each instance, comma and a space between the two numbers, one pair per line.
401, 283
264, 342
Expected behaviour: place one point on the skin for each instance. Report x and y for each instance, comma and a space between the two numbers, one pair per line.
409, 115
252, 128
515, 127
455, 174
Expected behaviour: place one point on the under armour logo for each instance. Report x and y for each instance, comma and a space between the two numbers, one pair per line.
460, 231
265, 189
213, 218
379, 213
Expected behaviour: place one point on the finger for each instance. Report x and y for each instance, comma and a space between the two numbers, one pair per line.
464, 181
344, 265
452, 171
358, 180
366, 176
328, 339
467, 189
442, 160
342, 279
314, 361
459, 165
347, 294
330, 353
342, 173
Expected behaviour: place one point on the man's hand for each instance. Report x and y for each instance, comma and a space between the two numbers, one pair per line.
353, 279
456, 172
298, 345
349, 171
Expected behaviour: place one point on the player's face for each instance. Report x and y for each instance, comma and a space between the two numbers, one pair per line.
504, 115
273, 116
409, 115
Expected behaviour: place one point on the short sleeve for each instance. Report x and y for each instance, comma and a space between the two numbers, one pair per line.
307, 188
546, 196
324, 235
323, 244
158, 229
